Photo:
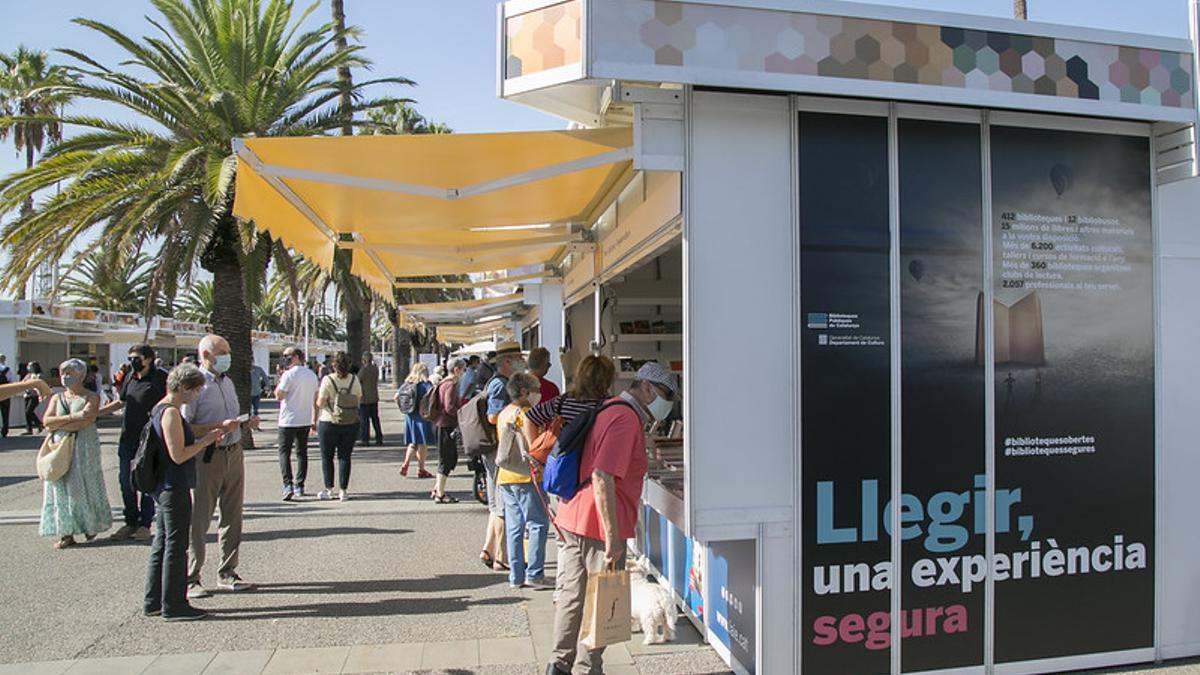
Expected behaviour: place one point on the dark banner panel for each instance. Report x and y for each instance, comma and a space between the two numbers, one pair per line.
1074, 342
846, 394
733, 572
942, 393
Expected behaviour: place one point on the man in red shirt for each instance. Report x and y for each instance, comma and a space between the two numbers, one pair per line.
596, 522
539, 365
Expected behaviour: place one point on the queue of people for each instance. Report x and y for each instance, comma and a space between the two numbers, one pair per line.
194, 413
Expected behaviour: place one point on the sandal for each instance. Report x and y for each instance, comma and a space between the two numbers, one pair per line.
486, 559
65, 542
424, 474
404, 470
445, 499
499, 567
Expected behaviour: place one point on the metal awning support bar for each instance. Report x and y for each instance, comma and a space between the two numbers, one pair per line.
466, 285
426, 250
247, 155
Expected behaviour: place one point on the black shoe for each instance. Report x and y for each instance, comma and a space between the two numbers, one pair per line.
156, 611
552, 669
189, 614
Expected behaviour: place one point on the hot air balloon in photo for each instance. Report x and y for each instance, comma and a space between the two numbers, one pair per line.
1061, 178
917, 269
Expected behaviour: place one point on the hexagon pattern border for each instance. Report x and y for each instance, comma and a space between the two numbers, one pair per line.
543, 39
668, 33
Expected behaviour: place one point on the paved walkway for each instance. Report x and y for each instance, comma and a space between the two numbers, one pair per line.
387, 582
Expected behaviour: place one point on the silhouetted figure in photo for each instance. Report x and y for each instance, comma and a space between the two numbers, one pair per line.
1008, 388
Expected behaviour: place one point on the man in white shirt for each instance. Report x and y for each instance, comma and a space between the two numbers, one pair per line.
296, 393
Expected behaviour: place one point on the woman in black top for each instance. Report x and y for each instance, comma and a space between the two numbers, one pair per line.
166, 576
32, 399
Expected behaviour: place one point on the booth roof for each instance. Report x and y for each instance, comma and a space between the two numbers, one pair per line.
422, 205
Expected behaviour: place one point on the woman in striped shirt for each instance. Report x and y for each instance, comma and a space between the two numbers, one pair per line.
591, 386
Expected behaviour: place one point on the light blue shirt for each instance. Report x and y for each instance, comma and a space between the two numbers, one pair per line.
218, 402
497, 395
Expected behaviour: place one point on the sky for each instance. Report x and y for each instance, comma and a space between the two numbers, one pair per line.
449, 46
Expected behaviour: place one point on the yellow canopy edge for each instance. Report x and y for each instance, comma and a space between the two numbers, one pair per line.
423, 205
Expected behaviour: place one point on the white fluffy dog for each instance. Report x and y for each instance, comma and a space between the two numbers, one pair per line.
652, 608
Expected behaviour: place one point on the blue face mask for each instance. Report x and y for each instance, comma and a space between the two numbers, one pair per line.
222, 362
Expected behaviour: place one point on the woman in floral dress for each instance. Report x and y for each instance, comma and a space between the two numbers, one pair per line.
77, 503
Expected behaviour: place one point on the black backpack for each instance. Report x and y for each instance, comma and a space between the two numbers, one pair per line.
149, 464
406, 398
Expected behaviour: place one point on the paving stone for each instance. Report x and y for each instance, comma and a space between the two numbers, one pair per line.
41, 668
383, 658
320, 660
499, 651
453, 654
115, 664
248, 662
180, 664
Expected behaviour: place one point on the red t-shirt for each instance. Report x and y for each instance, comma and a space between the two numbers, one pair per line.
549, 389
616, 445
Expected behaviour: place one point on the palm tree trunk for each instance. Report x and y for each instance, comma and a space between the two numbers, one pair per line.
358, 300
231, 317
1020, 11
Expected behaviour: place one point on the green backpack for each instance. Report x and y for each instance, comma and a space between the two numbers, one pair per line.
344, 406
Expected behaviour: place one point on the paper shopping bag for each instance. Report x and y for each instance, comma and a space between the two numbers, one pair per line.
606, 609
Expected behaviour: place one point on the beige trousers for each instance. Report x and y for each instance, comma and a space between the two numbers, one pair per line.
578, 557
220, 483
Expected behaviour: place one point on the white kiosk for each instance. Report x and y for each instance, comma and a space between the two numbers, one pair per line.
936, 261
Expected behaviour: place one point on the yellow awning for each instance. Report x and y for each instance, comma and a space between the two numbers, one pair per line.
475, 332
424, 205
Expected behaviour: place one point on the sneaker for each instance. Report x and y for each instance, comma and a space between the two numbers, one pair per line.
142, 534
539, 584
515, 587
125, 532
195, 590
343, 495
323, 495
189, 614
298, 492
234, 583
287, 494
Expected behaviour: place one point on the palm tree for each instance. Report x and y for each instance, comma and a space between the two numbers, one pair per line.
24, 80
356, 295
116, 281
218, 71
401, 117
26, 91
198, 304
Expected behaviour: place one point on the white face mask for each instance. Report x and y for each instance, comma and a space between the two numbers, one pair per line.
660, 407
534, 398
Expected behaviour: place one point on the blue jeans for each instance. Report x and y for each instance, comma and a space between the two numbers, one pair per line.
138, 511
255, 403
521, 507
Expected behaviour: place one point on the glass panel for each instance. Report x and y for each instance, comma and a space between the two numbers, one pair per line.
846, 393
1074, 366
942, 392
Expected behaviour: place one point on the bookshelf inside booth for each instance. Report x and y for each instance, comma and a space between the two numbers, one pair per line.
641, 321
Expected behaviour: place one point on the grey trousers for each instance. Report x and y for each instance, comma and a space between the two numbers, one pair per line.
578, 557
220, 483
